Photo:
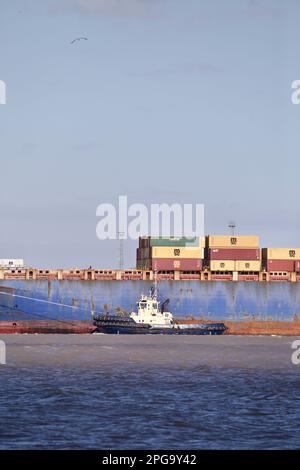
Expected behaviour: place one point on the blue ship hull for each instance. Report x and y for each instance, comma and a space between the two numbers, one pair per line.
74, 300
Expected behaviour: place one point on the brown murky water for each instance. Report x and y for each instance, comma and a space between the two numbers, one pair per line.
101, 391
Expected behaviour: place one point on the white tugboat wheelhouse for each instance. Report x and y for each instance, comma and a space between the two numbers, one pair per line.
148, 312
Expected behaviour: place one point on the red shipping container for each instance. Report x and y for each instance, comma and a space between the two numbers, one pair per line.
171, 264
234, 254
273, 265
143, 242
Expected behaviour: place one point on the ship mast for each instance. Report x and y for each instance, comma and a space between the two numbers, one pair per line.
232, 226
154, 292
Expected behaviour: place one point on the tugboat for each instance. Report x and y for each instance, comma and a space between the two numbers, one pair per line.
151, 319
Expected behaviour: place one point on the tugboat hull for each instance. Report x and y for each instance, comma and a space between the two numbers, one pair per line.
158, 331
126, 326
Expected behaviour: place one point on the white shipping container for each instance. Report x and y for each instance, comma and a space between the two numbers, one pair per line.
177, 252
225, 265
248, 265
11, 263
232, 241
281, 253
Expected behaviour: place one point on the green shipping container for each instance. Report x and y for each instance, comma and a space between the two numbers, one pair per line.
174, 241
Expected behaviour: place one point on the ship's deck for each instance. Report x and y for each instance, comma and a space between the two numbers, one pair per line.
78, 274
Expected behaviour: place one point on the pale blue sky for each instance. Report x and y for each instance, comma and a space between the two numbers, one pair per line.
167, 101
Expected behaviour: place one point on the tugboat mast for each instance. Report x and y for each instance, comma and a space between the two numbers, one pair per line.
154, 291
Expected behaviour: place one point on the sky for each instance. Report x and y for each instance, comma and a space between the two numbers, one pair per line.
168, 101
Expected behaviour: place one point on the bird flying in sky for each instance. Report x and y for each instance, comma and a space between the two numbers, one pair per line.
79, 39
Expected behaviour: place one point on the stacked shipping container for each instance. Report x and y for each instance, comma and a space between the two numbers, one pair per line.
219, 253
170, 254
233, 253
281, 259
234, 241
172, 241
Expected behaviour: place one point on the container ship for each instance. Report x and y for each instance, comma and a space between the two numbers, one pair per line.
217, 278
